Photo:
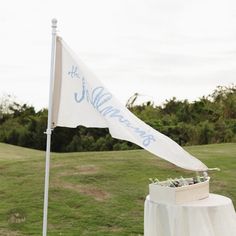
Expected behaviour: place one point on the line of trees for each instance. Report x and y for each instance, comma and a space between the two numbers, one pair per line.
211, 119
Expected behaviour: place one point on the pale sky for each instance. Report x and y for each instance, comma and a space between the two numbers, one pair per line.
158, 48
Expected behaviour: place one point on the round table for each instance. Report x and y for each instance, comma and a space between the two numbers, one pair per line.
212, 216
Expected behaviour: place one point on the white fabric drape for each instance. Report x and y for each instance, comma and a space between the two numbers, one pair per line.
213, 216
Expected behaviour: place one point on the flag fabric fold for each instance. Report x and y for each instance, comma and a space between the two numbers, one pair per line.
79, 98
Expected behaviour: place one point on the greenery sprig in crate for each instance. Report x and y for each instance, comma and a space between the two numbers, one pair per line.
179, 182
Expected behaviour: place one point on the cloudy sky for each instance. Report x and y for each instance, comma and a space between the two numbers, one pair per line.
158, 48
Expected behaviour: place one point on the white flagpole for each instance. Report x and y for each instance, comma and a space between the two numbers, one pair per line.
49, 127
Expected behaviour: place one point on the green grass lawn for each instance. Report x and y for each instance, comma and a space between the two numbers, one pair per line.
93, 193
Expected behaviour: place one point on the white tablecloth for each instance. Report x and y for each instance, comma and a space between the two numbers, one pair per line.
213, 216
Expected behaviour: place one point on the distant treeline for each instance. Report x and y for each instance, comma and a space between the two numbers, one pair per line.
210, 119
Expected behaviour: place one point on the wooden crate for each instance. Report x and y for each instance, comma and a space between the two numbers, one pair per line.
179, 195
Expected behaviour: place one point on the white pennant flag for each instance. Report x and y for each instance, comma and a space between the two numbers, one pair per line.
79, 98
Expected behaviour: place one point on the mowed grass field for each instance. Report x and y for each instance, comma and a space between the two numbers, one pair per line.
93, 193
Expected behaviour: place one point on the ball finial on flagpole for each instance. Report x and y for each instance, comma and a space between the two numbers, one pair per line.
54, 23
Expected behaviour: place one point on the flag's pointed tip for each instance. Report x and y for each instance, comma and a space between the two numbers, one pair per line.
54, 22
